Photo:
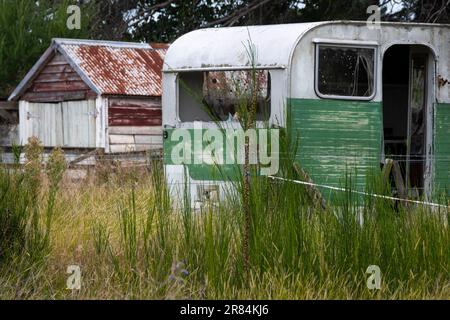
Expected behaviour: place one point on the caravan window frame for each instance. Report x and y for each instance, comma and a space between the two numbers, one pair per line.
269, 98
345, 45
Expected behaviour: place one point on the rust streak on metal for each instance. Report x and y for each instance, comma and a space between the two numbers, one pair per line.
121, 70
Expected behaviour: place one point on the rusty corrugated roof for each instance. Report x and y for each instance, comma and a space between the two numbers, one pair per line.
108, 67
119, 68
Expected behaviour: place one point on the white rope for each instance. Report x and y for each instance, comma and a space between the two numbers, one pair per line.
431, 204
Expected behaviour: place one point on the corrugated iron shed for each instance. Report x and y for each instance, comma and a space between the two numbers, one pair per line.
109, 68
119, 71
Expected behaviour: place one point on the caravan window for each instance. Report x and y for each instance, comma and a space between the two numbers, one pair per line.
219, 95
345, 72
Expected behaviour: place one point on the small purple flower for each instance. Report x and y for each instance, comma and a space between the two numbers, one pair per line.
184, 272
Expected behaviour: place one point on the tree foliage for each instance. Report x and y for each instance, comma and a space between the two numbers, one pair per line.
166, 20
26, 30
26, 26
429, 11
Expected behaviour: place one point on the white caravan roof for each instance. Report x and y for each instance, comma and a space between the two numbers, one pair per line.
227, 48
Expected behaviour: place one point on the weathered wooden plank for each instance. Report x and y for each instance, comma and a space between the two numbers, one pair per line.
58, 82
59, 86
45, 123
147, 147
79, 123
57, 69
84, 157
137, 104
134, 111
121, 139
135, 122
58, 96
67, 124
126, 148
147, 139
122, 148
58, 63
148, 102
156, 130
56, 77
9, 105
58, 58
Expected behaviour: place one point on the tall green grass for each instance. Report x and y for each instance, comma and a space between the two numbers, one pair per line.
132, 242
26, 214
294, 244
267, 238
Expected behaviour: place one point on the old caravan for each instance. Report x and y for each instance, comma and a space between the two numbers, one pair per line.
356, 96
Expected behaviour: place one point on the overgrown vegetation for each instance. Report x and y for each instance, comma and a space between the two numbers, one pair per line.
130, 242
26, 30
26, 214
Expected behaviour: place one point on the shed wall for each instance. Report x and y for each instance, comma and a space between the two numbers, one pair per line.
135, 124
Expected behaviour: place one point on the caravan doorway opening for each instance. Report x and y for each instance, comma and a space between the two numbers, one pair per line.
406, 115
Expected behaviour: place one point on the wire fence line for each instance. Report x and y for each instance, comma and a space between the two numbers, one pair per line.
147, 159
374, 195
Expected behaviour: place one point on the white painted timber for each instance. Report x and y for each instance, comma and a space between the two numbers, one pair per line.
100, 122
147, 147
122, 148
69, 124
121, 139
136, 130
147, 139
79, 123
126, 148
44, 122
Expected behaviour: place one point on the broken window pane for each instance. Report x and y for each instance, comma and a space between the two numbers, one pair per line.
347, 72
218, 95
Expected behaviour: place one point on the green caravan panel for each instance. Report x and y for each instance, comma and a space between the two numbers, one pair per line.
337, 138
442, 148
201, 143
198, 171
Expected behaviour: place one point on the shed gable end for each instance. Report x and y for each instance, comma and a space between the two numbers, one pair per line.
56, 82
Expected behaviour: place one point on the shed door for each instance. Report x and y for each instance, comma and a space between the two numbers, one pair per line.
79, 123
68, 124
45, 123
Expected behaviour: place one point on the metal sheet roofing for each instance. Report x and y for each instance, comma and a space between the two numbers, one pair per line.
109, 68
